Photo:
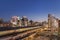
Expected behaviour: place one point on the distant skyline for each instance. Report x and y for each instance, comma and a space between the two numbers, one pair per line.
33, 9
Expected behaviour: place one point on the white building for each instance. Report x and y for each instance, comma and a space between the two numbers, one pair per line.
15, 20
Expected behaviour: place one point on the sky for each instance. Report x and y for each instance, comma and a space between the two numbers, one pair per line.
36, 10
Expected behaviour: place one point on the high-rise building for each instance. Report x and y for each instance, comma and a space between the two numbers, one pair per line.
18, 21
59, 28
49, 20
53, 24
53, 21
24, 21
15, 20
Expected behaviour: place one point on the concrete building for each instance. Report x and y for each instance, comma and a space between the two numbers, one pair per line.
24, 21
31, 23
59, 28
53, 24
49, 20
15, 21
45, 24
18, 21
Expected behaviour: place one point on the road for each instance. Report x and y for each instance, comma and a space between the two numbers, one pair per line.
12, 34
33, 33
41, 36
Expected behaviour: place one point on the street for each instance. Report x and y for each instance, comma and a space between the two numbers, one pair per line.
33, 33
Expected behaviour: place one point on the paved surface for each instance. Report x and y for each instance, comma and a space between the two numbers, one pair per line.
21, 35
35, 34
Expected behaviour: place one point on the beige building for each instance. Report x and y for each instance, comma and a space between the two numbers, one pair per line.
24, 21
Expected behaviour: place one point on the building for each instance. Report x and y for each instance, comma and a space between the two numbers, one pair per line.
59, 28
6, 24
15, 21
24, 21
45, 24
49, 20
53, 24
1, 22
30, 23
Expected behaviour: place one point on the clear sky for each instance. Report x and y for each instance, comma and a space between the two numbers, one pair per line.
33, 9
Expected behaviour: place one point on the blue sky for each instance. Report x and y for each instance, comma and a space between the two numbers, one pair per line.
33, 9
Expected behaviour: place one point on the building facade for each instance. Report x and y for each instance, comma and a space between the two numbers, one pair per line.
15, 21
24, 21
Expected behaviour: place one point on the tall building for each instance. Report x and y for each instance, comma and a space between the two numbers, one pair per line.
24, 21
53, 24
59, 28
18, 21
49, 20
53, 21
15, 21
